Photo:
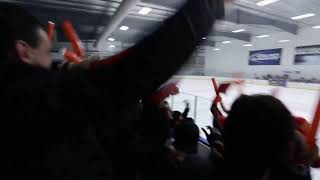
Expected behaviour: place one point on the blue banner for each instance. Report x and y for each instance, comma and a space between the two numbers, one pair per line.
265, 57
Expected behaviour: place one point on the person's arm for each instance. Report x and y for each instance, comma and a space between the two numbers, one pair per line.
186, 110
164, 92
138, 71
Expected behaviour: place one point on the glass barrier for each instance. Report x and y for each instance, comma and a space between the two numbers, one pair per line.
199, 108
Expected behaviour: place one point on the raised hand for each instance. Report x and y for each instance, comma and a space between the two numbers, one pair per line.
213, 135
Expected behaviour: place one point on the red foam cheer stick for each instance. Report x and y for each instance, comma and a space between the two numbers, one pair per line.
221, 89
224, 87
164, 92
73, 38
51, 27
71, 57
314, 127
215, 86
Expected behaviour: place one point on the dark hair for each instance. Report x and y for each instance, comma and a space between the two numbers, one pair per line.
16, 24
154, 125
256, 135
186, 137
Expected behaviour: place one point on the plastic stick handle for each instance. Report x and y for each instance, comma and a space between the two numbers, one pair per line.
73, 38
314, 127
51, 27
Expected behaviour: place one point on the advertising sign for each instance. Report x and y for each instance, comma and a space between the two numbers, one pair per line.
307, 55
265, 57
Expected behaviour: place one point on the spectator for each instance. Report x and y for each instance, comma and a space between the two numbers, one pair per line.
186, 137
189, 165
178, 117
51, 119
154, 131
256, 135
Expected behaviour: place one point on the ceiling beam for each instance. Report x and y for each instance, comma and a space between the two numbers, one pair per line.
239, 36
115, 21
240, 16
208, 43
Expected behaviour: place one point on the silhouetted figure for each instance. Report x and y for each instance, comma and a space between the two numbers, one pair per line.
256, 136
52, 122
190, 165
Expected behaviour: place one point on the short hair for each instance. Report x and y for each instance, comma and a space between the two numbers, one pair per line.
186, 137
16, 24
257, 132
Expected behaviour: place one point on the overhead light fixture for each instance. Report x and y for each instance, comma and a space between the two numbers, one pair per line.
226, 42
239, 30
124, 28
266, 2
303, 16
112, 46
204, 38
316, 27
216, 49
145, 10
111, 39
263, 36
283, 41
247, 45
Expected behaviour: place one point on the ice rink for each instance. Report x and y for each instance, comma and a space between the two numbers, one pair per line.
199, 93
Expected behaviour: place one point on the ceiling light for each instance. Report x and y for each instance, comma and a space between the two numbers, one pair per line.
204, 38
239, 30
111, 39
226, 42
266, 2
303, 16
124, 28
285, 40
263, 36
145, 10
316, 27
112, 46
216, 49
247, 45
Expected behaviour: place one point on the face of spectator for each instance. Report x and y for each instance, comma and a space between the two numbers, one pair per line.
36, 56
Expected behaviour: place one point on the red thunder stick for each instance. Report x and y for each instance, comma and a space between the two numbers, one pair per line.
214, 82
72, 57
224, 87
51, 27
314, 127
74, 39
217, 89
164, 92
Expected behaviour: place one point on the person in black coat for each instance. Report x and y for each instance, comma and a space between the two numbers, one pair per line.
189, 163
50, 120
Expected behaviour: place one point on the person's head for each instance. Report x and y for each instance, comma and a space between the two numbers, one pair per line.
22, 38
186, 137
154, 125
257, 134
176, 118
